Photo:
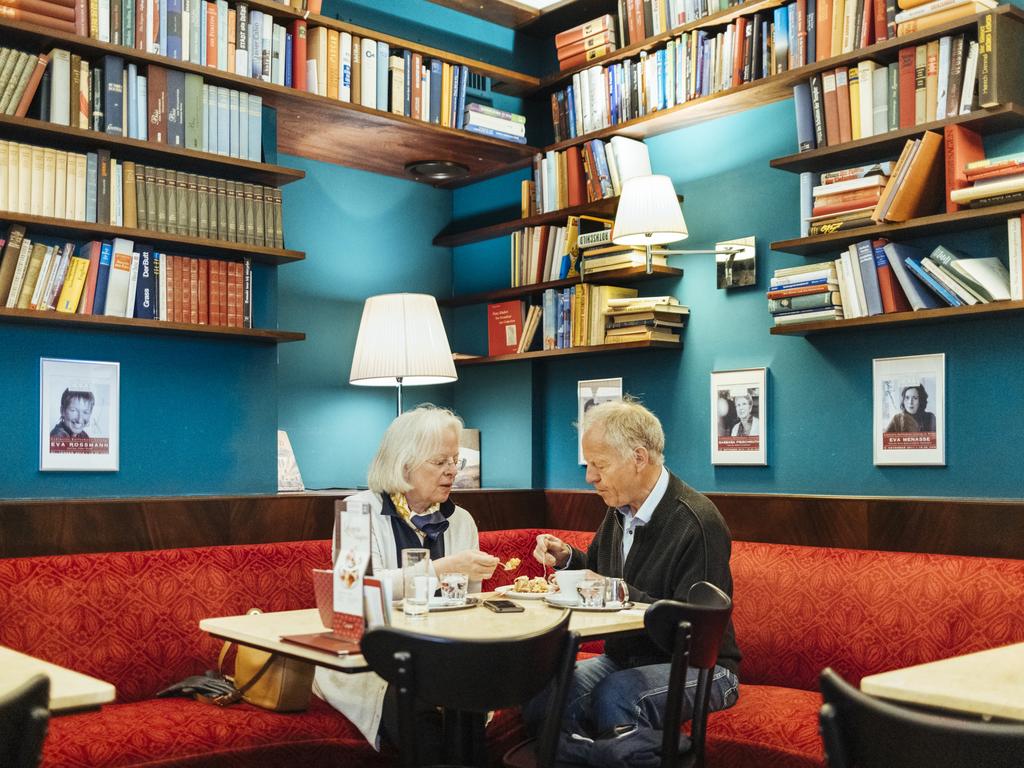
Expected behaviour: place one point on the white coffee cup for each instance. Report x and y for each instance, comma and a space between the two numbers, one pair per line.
567, 582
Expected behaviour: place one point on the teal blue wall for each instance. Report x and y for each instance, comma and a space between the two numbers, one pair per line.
819, 387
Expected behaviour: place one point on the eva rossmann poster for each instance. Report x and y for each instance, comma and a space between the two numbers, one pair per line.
79, 420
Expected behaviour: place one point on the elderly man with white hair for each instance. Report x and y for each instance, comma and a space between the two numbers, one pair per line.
410, 481
660, 536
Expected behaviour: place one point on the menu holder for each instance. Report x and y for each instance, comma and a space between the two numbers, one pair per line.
353, 522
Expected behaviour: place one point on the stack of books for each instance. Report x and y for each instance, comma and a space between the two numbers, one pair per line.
916, 15
845, 199
804, 294
608, 258
585, 42
991, 181
644, 318
52, 14
496, 123
20, 74
583, 173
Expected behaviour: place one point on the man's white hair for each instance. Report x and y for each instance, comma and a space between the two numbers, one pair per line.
628, 425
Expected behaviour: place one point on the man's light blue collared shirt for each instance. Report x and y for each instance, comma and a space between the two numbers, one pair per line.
643, 515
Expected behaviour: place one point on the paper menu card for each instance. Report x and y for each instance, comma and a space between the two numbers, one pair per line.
352, 526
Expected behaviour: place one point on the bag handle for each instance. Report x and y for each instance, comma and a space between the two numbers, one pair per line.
230, 698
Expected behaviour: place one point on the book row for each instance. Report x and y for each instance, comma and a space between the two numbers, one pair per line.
583, 315
583, 173
977, 181
120, 278
151, 103
94, 187
930, 82
20, 74
875, 277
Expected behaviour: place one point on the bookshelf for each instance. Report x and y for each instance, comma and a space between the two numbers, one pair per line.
524, 18
130, 325
315, 126
611, 277
924, 316
464, 233
596, 349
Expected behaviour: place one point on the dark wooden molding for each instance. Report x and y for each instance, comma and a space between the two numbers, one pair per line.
979, 527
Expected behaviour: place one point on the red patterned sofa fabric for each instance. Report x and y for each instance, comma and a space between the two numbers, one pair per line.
520, 542
132, 618
800, 609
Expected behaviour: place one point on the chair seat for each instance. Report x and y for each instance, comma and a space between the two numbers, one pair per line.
769, 726
182, 732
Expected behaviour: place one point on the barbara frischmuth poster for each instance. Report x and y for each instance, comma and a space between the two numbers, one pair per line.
79, 415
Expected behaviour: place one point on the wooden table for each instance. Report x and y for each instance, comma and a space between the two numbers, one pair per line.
263, 630
987, 683
69, 690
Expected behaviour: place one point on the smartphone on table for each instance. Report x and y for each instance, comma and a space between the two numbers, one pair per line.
503, 606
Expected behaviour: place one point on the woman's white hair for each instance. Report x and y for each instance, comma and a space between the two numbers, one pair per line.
411, 439
628, 425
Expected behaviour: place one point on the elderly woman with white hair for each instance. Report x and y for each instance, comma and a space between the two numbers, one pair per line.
410, 480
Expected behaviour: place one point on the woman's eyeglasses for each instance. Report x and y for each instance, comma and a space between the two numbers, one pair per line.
440, 462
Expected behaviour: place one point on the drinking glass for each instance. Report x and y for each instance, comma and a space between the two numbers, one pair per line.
616, 592
591, 593
453, 588
416, 581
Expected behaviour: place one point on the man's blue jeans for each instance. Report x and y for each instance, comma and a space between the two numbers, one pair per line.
604, 694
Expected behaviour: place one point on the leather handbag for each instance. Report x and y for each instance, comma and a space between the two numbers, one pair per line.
267, 680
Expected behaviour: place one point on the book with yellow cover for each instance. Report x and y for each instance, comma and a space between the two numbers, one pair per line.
74, 283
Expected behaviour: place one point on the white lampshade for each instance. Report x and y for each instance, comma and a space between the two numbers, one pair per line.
648, 213
401, 341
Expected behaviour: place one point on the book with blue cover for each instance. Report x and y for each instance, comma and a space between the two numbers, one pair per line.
922, 274
99, 303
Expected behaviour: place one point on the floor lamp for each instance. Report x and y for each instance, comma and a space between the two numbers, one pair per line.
401, 342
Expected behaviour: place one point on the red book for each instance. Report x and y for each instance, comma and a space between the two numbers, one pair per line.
737, 61
580, 46
908, 84
828, 90
850, 205
170, 264
823, 33
881, 22
504, 327
635, 21
43, 8
299, 54
416, 100
893, 297
204, 291
584, 30
193, 288
90, 251
843, 102
1007, 169
17, 14
33, 84
156, 98
583, 57
867, 25
576, 181
963, 146
184, 292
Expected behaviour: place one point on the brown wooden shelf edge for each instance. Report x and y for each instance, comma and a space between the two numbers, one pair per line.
924, 316
597, 349
185, 243
31, 130
612, 276
1005, 117
129, 324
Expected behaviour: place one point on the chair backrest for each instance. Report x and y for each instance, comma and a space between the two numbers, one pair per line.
24, 717
860, 731
692, 633
474, 676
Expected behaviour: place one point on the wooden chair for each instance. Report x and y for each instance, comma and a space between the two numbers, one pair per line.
701, 621
469, 678
860, 731
24, 717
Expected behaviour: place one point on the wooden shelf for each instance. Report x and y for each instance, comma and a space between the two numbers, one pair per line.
183, 244
902, 318
720, 18
1005, 117
939, 223
612, 277
26, 129
598, 349
770, 89
132, 325
522, 17
459, 234
315, 126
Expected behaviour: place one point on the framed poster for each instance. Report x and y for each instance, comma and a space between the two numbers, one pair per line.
909, 414
739, 417
79, 415
588, 394
468, 474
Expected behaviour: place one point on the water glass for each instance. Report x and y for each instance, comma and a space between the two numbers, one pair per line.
616, 592
453, 588
416, 582
591, 593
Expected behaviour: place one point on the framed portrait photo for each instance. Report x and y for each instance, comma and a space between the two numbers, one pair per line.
909, 413
79, 415
739, 417
588, 394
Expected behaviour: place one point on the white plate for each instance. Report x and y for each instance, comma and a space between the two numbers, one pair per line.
435, 605
507, 591
554, 602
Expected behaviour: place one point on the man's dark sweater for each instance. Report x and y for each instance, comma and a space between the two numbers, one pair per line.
686, 541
